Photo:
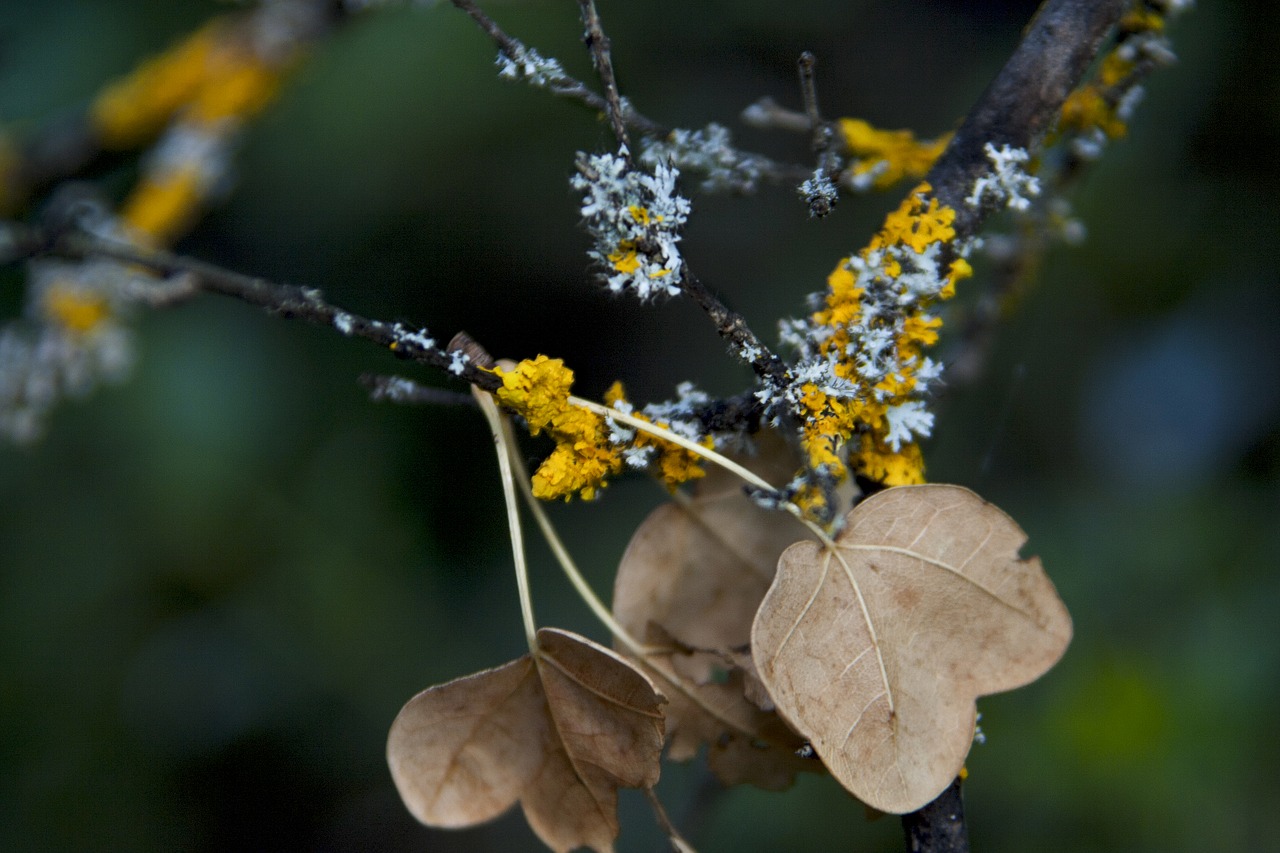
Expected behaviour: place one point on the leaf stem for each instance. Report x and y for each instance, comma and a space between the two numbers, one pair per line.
571, 570
491, 414
664, 823
667, 435
706, 453
603, 613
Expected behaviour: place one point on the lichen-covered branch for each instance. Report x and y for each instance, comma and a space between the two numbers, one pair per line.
282, 300
1024, 100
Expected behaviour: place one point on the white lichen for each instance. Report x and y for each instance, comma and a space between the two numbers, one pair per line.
708, 152
1007, 183
634, 218
525, 64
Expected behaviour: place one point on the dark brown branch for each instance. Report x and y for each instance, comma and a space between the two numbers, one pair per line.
599, 45
733, 327
282, 300
1023, 101
1021, 257
938, 827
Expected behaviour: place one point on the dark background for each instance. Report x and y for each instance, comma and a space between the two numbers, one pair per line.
220, 581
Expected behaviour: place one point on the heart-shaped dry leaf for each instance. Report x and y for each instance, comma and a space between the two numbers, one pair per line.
689, 583
560, 730
877, 651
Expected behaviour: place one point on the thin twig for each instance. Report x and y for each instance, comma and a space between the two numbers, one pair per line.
768, 114
733, 327
818, 131
819, 189
398, 389
599, 45
565, 86
283, 300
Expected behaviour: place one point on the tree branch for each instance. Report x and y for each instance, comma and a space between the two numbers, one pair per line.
733, 327
1025, 98
283, 300
938, 827
600, 47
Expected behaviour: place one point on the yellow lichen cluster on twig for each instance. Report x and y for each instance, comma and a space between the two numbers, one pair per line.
869, 368
197, 95
882, 158
1099, 110
589, 449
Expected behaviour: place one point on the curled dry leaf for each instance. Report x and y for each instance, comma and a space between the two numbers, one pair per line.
877, 650
689, 584
559, 730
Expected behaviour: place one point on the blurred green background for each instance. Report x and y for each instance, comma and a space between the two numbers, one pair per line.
220, 582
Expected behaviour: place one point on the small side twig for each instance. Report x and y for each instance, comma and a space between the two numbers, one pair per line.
563, 86
398, 389
599, 45
819, 190
820, 133
768, 114
283, 300
733, 327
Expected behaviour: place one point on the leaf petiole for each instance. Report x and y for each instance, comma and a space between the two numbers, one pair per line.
500, 439
562, 554
667, 435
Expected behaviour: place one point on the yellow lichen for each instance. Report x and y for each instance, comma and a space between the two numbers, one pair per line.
211, 76
916, 224
893, 155
136, 107
625, 260
676, 465
877, 462
1087, 108
828, 422
77, 310
241, 89
583, 458
158, 211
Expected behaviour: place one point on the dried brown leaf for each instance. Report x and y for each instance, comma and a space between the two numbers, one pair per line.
560, 731
700, 568
877, 651
690, 582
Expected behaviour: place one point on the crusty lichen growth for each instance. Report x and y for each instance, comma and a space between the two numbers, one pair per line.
212, 75
882, 158
857, 390
589, 448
